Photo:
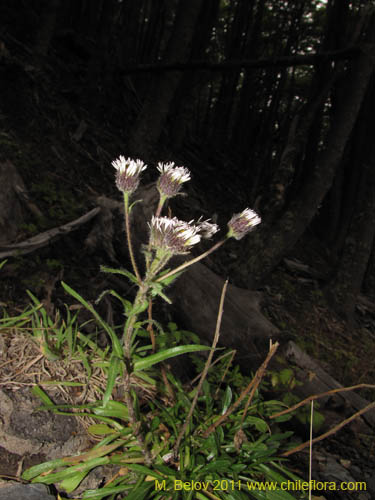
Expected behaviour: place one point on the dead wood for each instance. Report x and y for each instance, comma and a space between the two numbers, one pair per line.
316, 381
45, 238
13, 198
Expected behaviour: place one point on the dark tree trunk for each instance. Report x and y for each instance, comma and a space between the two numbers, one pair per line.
182, 115
346, 286
347, 283
47, 27
269, 249
369, 280
149, 124
99, 64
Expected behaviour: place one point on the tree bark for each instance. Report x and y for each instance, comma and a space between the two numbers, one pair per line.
149, 124
270, 248
347, 283
47, 27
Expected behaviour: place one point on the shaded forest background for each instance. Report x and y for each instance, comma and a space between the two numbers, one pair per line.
270, 104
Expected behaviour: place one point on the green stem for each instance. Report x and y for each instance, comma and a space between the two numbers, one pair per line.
128, 236
136, 424
192, 261
162, 200
129, 325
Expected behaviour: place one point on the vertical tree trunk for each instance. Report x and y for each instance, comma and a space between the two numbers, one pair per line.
149, 124
47, 27
347, 283
182, 113
267, 250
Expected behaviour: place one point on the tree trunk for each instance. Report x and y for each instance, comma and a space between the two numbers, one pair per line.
358, 243
184, 103
149, 124
47, 27
269, 249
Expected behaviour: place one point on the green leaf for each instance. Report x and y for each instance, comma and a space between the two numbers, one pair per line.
141, 469
37, 391
71, 483
157, 289
112, 334
141, 492
259, 423
101, 430
227, 400
104, 492
215, 466
69, 472
64, 383
112, 409
168, 280
36, 470
286, 376
124, 272
153, 359
113, 371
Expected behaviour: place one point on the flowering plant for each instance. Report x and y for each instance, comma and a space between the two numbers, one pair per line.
147, 455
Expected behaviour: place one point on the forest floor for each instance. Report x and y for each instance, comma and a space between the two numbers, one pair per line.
63, 154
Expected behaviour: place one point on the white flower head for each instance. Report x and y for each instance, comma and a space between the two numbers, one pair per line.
128, 173
171, 178
243, 223
173, 235
206, 228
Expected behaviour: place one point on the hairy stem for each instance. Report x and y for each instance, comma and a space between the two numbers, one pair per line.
136, 424
128, 236
192, 261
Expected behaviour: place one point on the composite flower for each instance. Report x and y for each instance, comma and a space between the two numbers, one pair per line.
128, 173
243, 223
171, 179
207, 229
173, 235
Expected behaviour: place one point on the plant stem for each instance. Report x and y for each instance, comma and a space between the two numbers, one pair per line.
133, 419
192, 261
129, 325
253, 385
128, 236
205, 371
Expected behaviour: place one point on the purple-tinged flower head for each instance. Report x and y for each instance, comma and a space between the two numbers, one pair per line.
128, 173
171, 178
173, 235
206, 228
243, 223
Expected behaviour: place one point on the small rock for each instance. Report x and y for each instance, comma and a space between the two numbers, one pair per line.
11, 490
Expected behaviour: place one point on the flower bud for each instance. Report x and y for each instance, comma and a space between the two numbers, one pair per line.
243, 223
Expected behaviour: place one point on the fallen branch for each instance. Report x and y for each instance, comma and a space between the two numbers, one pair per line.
322, 395
330, 432
45, 238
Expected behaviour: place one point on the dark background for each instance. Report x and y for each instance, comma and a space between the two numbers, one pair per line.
270, 104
